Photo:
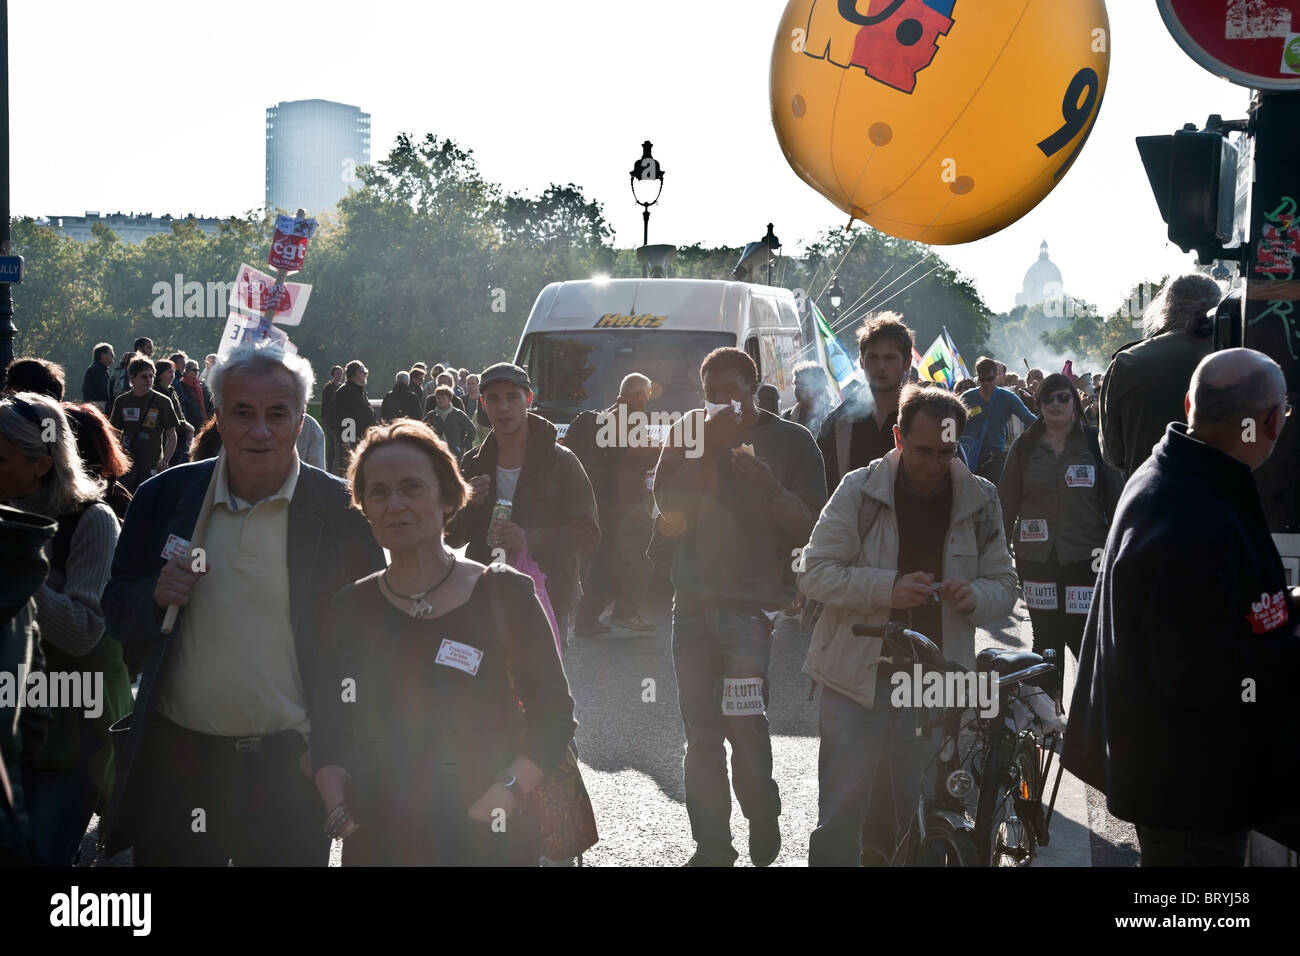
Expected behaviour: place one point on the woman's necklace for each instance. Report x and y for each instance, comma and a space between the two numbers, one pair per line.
420, 608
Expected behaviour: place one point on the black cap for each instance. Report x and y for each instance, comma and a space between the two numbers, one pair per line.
504, 372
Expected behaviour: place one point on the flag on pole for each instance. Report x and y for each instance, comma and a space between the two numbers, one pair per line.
839, 366
916, 358
961, 371
938, 364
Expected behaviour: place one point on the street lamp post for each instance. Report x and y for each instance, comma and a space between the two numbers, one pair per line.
7, 328
836, 296
646, 170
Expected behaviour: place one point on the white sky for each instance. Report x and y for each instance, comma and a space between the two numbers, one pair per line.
160, 107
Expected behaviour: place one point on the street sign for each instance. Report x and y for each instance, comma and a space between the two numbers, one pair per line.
11, 269
1254, 43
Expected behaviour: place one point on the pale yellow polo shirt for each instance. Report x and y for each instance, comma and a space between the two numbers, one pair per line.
232, 670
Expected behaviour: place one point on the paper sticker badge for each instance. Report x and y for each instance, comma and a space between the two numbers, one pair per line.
742, 697
1081, 476
1033, 529
1040, 596
176, 548
1078, 600
1268, 613
462, 657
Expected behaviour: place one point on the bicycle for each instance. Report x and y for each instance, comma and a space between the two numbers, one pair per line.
1005, 766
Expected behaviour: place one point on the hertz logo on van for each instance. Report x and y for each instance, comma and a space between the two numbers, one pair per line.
611, 320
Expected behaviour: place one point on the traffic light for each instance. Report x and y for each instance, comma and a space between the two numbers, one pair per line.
1194, 177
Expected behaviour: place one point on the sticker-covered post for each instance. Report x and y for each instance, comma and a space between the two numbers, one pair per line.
1272, 301
1257, 45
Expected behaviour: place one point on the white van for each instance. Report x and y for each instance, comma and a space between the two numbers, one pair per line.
582, 337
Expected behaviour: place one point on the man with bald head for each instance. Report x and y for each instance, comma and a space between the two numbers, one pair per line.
1184, 709
618, 570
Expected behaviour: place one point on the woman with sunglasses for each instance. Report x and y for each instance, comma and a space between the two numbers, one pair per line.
1058, 497
41, 471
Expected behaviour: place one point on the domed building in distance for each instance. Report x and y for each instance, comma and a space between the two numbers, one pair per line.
1042, 281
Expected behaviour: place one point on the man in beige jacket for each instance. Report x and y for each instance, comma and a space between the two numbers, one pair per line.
913, 537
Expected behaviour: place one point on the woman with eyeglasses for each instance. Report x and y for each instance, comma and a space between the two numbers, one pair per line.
1058, 497
440, 699
40, 471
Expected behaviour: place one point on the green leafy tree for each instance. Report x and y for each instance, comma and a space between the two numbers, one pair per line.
880, 273
1095, 338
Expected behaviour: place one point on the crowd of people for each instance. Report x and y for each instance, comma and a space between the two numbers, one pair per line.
371, 612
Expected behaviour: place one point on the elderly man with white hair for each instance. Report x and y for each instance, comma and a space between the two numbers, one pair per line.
215, 768
1184, 710
402, 401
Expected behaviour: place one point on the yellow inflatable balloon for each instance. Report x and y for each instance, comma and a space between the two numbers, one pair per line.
942, 121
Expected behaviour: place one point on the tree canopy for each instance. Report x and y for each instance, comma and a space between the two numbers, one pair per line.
430, 261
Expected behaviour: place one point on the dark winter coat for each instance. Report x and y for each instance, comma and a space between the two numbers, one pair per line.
400, 402
351, 404
1143, 391
1184, 710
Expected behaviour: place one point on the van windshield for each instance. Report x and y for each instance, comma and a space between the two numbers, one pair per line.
575, 371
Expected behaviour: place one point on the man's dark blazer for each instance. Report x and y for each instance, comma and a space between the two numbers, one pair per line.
330, 546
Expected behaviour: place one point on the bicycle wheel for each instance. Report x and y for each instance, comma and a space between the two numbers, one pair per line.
946, 846
1013, 838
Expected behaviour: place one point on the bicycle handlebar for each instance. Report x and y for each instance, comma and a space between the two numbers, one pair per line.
894, 633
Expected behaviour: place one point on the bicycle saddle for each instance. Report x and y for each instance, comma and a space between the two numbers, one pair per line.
1004, 661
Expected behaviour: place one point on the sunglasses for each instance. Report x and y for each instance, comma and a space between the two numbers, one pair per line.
1058, 398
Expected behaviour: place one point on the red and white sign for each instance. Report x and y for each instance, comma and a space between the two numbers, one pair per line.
1254, 43
1277, 247
289, 245
255, 292
1268, 613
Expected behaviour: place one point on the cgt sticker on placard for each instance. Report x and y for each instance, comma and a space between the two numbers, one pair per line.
463, 657
1040, 596
742, 697
1078, 600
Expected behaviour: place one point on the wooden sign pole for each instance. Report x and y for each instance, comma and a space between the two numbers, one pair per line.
205, 512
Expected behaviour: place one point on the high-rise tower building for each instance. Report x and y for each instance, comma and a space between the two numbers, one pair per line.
313, 148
